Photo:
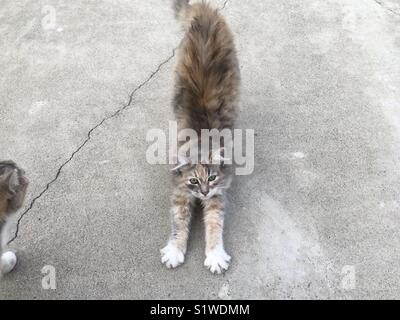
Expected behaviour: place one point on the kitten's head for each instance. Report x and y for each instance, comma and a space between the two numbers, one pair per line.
202, 180
13, 185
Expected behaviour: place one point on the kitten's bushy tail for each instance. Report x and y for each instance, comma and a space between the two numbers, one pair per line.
180, 7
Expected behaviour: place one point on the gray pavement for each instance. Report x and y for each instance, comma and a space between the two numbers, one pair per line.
318, 218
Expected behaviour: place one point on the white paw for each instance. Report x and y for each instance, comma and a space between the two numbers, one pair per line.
217, 260
172, 256
8, 261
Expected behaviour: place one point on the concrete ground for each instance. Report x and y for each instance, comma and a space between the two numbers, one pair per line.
318, 218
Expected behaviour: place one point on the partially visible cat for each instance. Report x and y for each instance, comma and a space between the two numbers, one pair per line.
206, 97
13, 185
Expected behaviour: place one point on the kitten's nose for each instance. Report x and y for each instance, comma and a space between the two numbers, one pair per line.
204, 192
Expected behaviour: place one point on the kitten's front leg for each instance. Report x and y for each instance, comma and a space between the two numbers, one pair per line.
217, 259
173, 254
8, 259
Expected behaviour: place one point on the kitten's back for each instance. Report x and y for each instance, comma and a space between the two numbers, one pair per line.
207, 84
13, 184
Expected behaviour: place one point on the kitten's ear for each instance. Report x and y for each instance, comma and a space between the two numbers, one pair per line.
218, 157
182, 156
182, 161
9, 182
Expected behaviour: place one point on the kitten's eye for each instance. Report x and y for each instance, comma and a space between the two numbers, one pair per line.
194, 181
212, 178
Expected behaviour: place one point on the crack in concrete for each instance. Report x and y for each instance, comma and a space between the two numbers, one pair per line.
89, 136
382, 4
224, 5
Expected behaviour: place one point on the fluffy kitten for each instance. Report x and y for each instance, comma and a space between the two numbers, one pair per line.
13, 185
206, 97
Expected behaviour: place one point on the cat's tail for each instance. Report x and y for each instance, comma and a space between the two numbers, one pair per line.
180, 8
